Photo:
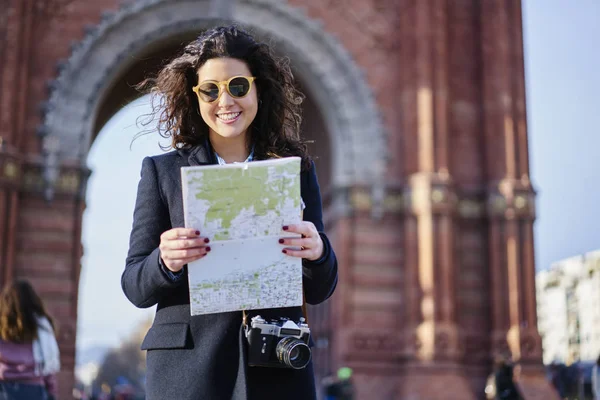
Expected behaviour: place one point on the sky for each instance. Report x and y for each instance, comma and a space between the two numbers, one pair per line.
563, 105
562, 64
106, 317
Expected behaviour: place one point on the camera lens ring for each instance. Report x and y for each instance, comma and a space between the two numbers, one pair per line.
289, 345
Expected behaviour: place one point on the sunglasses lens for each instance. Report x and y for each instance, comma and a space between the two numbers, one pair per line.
209, 91
239, 87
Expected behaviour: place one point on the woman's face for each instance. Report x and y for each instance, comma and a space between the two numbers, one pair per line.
228, 117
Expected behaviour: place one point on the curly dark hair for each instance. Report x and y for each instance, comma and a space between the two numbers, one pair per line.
275, 131
20, 306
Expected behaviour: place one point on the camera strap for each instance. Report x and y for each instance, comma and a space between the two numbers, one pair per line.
304, 313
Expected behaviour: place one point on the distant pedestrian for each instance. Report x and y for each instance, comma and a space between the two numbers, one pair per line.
557, 378
341, 387
596, 379
505, 385
29, 355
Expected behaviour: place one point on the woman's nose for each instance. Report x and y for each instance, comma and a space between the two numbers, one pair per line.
225, 99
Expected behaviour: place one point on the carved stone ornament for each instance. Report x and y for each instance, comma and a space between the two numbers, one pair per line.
361, 200
442, 199
497, 204
384, 343
393, 202
470, 208
511, 198
531, 345
68, 181
11, 170
33, 180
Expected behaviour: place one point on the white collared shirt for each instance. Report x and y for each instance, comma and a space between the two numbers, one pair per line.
223, 162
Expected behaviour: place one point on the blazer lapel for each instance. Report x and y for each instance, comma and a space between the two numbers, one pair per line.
198, 155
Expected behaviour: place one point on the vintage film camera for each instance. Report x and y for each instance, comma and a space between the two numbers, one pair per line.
278, 343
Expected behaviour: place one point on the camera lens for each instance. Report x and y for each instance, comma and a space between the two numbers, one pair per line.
293, 352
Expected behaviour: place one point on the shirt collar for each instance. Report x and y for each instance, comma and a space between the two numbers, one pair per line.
222, 162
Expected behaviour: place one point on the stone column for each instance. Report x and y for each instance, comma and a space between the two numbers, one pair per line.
10, 175
48, 250
366, 310
15, 59
510, 198
433, 342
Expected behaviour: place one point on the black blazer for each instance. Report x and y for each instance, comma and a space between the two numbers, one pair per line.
204, 356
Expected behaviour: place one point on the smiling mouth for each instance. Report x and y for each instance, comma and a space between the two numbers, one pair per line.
228, 117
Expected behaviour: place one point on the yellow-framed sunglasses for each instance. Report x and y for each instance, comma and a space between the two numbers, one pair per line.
236, 86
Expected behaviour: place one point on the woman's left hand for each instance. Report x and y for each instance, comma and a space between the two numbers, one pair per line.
310, 244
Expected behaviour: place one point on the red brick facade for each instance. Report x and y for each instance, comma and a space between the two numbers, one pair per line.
424, 165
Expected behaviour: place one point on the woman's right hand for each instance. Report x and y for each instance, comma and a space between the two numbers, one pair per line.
179, 246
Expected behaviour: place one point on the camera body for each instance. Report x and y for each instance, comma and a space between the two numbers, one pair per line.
279, 343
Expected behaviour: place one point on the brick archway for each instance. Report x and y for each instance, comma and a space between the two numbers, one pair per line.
336, 87
335, 82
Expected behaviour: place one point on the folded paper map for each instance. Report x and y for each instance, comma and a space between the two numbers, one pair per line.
242, 208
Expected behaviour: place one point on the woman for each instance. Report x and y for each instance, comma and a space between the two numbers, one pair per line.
29, 356
225, 99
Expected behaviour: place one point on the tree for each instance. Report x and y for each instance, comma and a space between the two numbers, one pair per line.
126, 363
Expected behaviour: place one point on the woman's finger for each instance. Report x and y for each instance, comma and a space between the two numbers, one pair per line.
181, 244
177, 233
185, 254
306, 228
176, 265
306, 253
297, 242
310, 248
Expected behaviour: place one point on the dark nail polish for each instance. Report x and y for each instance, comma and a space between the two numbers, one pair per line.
206, 240
207, 249
284, 251
197, 232
285, 227
281, 241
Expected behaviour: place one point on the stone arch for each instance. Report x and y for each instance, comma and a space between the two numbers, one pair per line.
337, 84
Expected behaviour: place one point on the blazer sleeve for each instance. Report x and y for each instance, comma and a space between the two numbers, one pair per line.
320, 276
144, 281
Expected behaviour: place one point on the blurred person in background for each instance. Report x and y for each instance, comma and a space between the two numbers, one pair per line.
596, 379
503, 382
29, 354
340, 387
558, 378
